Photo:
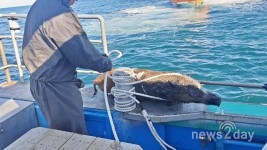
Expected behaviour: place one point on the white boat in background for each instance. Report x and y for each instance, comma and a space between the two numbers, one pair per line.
186, 2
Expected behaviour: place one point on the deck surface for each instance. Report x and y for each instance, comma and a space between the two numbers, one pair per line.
21, 91
49, 139
158, 112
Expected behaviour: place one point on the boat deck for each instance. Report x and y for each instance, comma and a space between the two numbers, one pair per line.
21, 91
50, 139
158, 113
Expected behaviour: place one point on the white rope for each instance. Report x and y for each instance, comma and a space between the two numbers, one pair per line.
108, 110
125, 101
129, 102
154, 132
106, 99
162, 143
140, 94
150, 78
126, 104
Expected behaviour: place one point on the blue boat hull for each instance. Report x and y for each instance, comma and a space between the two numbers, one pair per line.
176, 134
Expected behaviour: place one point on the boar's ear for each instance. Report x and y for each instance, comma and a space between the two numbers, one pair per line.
194, 91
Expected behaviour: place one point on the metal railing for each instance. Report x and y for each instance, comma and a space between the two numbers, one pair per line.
13, 26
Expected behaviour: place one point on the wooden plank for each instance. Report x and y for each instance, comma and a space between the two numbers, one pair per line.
31, 137
103, 144
50, 139
128, 146
54, 140
79, 142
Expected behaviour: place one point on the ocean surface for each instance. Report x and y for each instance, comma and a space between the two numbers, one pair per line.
223, 40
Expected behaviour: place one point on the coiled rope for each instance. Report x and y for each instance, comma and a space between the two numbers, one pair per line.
106, 97
130, 103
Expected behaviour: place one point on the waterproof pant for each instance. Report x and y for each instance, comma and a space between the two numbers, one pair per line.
61, 104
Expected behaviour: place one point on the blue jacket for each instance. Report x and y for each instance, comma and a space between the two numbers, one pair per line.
55, 44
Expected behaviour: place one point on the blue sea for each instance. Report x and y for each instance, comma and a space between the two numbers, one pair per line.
222, 40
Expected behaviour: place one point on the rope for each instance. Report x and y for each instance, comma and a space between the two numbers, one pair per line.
109, 112
139, 94
106, 98
125, 101
129, 104
150, 78
162, 143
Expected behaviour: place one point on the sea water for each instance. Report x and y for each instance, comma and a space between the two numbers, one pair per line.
222, 40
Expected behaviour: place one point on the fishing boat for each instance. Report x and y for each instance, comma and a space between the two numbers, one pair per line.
187, 2
180, 126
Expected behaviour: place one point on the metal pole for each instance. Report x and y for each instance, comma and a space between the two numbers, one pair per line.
4, 61
16, 50
103, 33
80, 16
257, 86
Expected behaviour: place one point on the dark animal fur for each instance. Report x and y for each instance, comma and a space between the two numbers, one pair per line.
171, 88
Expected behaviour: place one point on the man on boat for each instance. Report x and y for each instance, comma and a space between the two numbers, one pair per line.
54, 45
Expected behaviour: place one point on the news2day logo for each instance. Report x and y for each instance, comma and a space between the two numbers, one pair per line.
227, 130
